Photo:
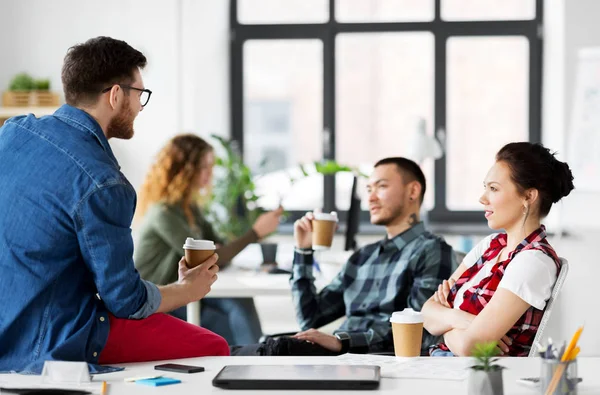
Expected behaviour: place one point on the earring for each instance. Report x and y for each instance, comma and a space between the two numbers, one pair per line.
410, 198
525, 210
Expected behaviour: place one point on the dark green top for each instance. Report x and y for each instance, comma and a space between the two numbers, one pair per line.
161, 237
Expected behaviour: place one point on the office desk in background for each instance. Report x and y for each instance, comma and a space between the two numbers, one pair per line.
240, 281
237, 283
201, 383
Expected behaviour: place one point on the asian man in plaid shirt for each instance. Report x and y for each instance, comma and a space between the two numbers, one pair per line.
402, 270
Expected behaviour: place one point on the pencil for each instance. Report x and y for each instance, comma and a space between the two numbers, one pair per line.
572, 344
567, 356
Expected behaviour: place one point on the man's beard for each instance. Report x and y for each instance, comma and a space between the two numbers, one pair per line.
396, 212
121, 126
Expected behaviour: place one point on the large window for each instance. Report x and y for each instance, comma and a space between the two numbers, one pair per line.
354, 80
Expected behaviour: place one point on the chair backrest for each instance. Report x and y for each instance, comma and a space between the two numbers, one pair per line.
564, 269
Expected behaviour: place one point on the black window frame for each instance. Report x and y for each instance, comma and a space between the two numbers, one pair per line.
442, 30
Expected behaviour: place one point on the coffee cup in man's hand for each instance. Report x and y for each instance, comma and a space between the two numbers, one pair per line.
197, 251
324, 226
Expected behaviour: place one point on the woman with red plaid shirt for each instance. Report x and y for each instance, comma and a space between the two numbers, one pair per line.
499, 291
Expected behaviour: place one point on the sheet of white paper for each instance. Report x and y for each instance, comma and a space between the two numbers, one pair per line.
29, 381
413, 368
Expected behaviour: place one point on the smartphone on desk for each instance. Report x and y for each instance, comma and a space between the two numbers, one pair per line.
174, 367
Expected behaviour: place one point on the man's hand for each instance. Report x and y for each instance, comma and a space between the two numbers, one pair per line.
197, 281
267, 223
303, 231
441, 296
324, 340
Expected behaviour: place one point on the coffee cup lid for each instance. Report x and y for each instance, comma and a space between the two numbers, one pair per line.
192, 244
326, 216
406, 316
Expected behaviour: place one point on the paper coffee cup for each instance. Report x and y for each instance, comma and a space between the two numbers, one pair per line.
197, 251
324, 225
407, 330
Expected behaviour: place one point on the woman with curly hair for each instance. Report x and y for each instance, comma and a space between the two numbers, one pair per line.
170, 212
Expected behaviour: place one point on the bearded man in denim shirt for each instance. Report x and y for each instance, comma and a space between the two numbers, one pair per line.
69, 289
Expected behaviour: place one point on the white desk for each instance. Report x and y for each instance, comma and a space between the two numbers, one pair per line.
234, 282
201, 383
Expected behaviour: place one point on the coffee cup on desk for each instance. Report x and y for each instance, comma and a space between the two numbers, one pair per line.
197, 251
324, 225
407, 330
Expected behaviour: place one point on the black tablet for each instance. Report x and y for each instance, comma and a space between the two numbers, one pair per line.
298, 377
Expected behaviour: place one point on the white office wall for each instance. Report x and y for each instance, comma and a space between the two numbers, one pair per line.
185, 42
570, 26
581, 30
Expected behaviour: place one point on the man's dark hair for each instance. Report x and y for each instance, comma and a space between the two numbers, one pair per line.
95, 65
409, 170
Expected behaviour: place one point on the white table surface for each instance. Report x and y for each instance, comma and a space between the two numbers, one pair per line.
234, 282
201, 383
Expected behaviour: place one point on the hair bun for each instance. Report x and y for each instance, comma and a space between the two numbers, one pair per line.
563, 180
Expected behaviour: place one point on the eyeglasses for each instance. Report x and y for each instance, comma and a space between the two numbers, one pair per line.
144, 93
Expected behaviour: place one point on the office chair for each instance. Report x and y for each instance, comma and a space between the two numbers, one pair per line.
564, 269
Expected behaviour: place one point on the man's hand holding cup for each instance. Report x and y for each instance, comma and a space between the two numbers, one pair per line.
198, 269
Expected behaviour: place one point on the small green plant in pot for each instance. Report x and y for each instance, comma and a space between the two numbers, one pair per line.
42, 85
485, 377
22, 82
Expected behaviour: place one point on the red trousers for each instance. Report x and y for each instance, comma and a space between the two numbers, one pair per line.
157, 338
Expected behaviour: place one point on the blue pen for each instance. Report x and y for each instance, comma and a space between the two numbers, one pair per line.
316, 265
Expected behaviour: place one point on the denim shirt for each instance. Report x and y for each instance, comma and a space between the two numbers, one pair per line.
65, 242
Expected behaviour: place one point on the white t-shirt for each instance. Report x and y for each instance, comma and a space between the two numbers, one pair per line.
530, 275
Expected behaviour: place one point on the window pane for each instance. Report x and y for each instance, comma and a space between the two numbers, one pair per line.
467, 10
384, 89
384, 10
283, 117
283, 11
487, 107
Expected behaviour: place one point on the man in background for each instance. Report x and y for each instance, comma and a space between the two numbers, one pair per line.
403, 270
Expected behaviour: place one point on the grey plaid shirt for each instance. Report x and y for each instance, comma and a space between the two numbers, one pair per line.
377, 280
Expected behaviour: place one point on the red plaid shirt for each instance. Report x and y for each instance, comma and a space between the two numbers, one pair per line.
477, 297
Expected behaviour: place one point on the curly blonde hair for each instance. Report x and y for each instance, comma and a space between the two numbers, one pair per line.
170, 177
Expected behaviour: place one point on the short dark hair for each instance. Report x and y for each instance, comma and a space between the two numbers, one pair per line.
534, 166
92, 66
409, 170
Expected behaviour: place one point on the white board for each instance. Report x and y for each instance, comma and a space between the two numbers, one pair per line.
584, 135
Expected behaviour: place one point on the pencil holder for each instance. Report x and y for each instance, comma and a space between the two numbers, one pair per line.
567, 384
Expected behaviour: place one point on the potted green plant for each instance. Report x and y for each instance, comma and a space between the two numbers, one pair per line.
18, 92
233, 204
41, 85
24, 91
21, 82
485, 377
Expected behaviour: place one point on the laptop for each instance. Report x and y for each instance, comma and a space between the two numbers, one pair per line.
298, 377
